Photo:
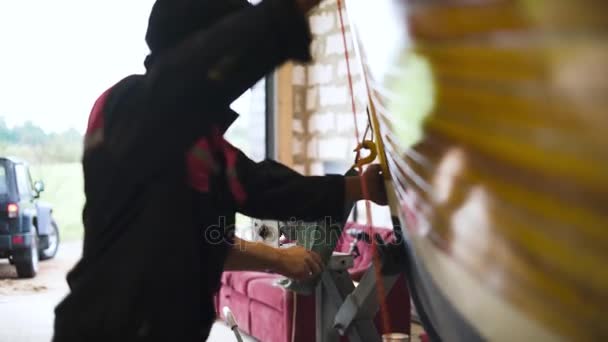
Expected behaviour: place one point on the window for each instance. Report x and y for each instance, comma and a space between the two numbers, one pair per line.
24, 183
248, 132
3, 184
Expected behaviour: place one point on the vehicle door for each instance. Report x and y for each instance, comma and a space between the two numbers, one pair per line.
27, 206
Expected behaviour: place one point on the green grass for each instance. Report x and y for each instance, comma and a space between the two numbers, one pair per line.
64, 190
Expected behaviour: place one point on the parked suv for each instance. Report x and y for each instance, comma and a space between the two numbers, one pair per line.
28, 232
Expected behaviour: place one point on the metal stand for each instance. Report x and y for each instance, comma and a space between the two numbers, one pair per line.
342, 308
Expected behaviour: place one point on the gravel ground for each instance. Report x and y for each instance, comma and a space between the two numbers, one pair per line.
26, 305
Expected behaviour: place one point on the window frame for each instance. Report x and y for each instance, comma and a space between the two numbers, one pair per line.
271, 99
28, 179
7, 186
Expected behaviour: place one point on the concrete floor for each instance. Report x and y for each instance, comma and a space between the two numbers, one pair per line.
221, 333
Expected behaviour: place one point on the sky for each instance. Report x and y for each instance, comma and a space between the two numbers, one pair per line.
58, 56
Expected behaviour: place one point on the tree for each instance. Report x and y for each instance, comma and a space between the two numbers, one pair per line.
32, 143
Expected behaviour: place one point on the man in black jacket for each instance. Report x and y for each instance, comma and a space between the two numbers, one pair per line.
163, 186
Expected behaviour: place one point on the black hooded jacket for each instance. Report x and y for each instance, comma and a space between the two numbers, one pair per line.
149, 269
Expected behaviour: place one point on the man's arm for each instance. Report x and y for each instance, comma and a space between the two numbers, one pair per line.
188, 88
294, 262
274, 191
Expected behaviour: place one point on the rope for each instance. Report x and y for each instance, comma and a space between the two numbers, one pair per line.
375, 255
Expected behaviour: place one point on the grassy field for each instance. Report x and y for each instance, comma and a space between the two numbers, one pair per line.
64, 190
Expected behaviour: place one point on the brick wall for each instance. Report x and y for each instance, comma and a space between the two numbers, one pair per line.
323, 122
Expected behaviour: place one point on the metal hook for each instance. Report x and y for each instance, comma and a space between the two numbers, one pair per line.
373, 153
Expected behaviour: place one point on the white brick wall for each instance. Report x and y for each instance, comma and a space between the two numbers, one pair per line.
362, 120
312, 95
325, 109
317, 169
333, 95
355, 68
299, 168
360, 92
324, 126
322, 123
317, 47
312, 149
298, 102
335, 45
320, 73
299, 75
345, 123
334, 148
326, 4
298, 146
322, 23
298, 127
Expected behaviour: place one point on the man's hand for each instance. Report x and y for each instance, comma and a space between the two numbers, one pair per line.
298, 263
306, 5
373, 179
294, 262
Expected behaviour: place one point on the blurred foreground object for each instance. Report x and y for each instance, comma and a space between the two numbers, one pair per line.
493, 117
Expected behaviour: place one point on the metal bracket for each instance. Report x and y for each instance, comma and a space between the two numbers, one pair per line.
342, 308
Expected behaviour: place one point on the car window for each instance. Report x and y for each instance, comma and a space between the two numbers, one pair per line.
24, 184
3, 183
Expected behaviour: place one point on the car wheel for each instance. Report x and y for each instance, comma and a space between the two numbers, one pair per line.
26, 261
53, 246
